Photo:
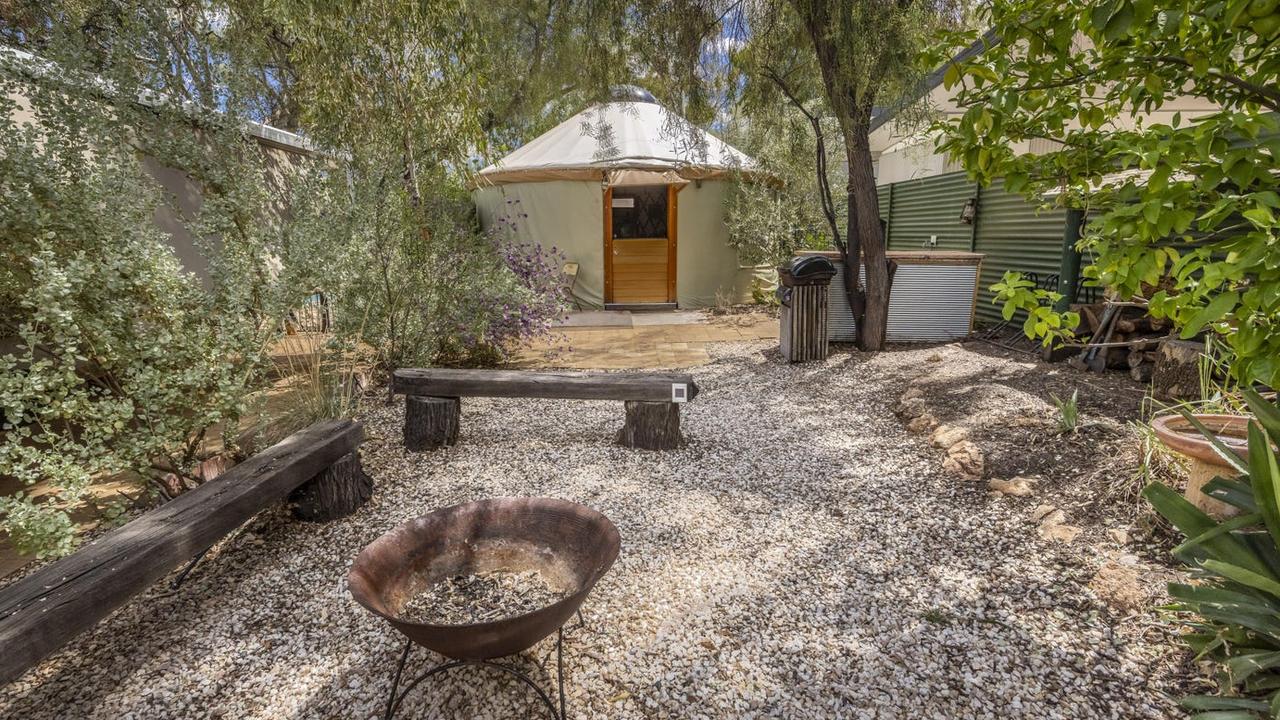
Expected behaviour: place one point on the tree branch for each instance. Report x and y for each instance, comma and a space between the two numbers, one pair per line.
1269, 97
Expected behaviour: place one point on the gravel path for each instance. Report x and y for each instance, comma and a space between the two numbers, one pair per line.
803, 557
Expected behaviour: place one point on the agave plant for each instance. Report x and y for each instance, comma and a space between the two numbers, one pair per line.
1233, 604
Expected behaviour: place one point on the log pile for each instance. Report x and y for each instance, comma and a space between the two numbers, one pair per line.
1119, 336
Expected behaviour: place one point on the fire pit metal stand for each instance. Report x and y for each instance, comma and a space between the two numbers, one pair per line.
397, 696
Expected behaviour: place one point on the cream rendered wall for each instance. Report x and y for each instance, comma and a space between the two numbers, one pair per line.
567, 215
903, 154
181, 196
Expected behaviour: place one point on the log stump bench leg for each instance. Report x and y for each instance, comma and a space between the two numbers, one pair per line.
430, 423
335, 493
651, 426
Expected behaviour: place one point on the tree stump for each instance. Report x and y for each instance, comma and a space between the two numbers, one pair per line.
336, 492
1177, 372
651, 426
430, 423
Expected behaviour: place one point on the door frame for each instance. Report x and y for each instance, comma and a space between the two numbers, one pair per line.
673, 216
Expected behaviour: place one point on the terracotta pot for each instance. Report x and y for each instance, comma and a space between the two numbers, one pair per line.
1179, 435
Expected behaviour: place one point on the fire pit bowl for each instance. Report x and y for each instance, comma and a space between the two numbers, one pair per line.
571, 546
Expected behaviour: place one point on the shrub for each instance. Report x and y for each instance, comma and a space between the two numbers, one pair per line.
113, 359
1233, 608
421, 285
116, 361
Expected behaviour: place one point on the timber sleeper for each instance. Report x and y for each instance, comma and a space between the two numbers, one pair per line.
317, 469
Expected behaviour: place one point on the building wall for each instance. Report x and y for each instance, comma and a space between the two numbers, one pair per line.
926, 213
1012, 233
707, 269
281, 164
283, 154
567, 215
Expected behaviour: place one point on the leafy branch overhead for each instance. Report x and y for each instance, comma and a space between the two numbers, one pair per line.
1161, 123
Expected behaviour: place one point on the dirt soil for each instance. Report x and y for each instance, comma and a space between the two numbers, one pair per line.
1082, 487
1005, 400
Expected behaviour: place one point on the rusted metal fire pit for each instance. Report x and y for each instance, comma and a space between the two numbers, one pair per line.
570, 545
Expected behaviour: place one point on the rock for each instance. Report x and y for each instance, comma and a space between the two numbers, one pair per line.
908, 409
1041, 511
1059, 533
1053, 527
1121, 587
964, 459
1055, 517
1119, 536
922, 424
1017, 487
947, 435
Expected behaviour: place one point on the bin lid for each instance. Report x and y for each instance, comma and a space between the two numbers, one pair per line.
807, 270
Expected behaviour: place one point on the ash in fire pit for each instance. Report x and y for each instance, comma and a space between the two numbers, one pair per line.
484, 580
481, 597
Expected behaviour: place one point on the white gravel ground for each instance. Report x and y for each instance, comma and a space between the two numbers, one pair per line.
803, 557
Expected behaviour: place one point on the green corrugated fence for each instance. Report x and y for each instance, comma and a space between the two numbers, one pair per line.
1013, 233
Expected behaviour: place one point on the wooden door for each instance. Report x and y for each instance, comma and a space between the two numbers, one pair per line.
640, 245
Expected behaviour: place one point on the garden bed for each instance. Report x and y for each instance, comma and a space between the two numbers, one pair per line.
804, 556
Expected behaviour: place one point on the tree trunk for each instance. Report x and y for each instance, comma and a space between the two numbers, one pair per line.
651, 426
1177, 371
852, 106
336, 492
430, 423
867, 235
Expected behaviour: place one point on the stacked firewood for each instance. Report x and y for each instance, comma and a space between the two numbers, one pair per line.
1119, 336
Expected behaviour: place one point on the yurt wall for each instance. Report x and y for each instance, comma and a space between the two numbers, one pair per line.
566, 214
705, 264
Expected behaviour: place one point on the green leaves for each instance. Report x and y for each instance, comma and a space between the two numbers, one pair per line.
1218, 307
1192, 522
120, 360
1207, 186
1042, 322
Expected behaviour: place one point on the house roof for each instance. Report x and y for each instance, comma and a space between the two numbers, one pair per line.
880, 116
38, 68
628, 135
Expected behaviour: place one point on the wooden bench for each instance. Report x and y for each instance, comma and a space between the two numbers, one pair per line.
433, 400
318, 468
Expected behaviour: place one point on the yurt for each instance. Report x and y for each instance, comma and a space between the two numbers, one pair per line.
631, 193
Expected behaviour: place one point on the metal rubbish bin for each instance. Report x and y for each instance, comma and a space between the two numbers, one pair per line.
802, 290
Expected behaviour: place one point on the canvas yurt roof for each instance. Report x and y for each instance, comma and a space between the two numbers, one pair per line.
630, 141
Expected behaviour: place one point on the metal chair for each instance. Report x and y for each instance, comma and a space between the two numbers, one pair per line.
569, 279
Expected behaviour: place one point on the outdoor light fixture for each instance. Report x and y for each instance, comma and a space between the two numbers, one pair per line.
969, 211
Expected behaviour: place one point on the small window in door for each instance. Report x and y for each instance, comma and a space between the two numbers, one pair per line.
639, 212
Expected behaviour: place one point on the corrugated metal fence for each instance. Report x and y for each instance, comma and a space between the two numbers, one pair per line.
1013, 233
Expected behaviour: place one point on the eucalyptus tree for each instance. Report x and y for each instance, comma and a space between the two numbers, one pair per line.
834, 63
